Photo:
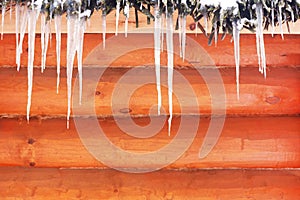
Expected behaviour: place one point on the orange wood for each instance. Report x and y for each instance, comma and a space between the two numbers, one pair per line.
278, 52
19, 183
264, 142
277, 95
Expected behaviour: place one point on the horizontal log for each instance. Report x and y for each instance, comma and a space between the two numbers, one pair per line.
20, 183
276, 95
265, 142
279, 52
94, 24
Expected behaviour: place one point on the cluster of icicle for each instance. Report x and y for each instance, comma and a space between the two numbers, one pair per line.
27, 17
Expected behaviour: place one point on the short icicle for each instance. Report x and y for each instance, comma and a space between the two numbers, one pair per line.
71, 50
183, 36
117, 16
170, 67
79, 47
103, 29
126, 13
57, 21
236, 39
157, 30
32, 18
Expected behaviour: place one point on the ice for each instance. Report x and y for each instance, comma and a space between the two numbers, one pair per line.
32, 18
118, 16
71, 50
23, 22
260, 40
157, 29
79, 47
103, 29
126, 12
272, 18
170, 67
236, 39
17, 22
57, 22
280, 21
216, 33
45, 32
205, 23
162, 33
183, 36
2, 21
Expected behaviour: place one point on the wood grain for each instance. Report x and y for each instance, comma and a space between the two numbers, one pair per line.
22, 183
271, 142
277, 95
279, 53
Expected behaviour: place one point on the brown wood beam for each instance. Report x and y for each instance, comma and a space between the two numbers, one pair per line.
279, 52
277, 95
22, 183
265, 142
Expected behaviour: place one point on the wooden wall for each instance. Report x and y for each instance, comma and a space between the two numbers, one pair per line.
256, 157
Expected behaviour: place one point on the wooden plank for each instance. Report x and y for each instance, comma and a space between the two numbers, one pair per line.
22, 183
94, 24
279, 52
264, 142
277, 95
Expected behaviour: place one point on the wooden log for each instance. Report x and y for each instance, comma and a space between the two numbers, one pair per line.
22, 183
276, 95
279, 52
265, 142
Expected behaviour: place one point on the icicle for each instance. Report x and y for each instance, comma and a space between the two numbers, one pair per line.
57, 21
103, 29
179, 35
162, 33
236, 39
216, 33
126, 12
183, 36
71, 50
280, 22
205, 23
79, 47
2, 21
117, 16
196, 28
170, 67
157, 29
43, 29
260, 40
22, 33
17, 29
272, 18
32, 18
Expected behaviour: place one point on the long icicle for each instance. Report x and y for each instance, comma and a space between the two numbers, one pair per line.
80, 36
17, 22
280, 21
236, 39
272, 18
2, 21
57, 21
24, 20
170, 67
260, 40
43, 29
157, 29
32, 15
71, 50
117, 15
